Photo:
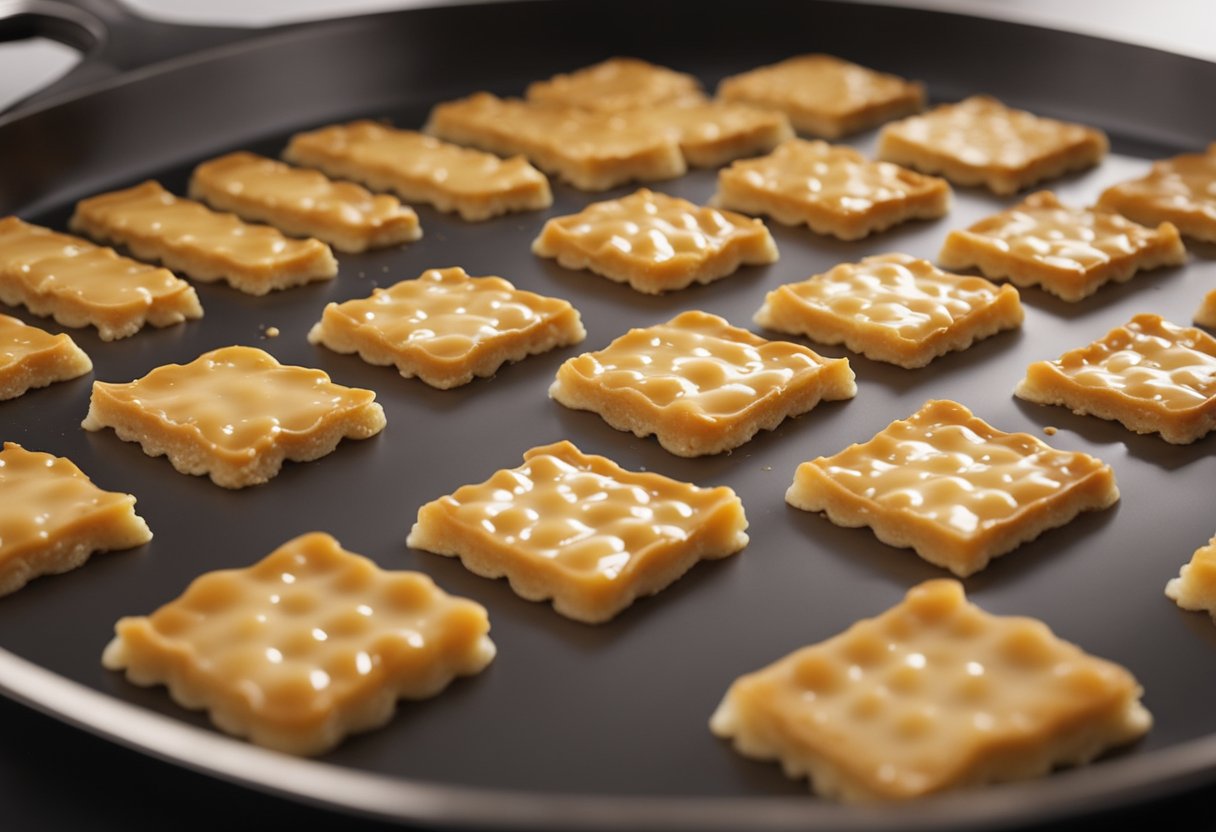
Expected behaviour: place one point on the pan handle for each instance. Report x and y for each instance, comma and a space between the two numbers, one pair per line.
110, 37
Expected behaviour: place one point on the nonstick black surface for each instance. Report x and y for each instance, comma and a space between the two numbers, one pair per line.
575, 725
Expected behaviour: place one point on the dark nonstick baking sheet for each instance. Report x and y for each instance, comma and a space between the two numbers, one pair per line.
575, 726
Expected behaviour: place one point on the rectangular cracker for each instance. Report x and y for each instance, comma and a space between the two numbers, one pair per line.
1181, 190
713, 133
203, 244
1069, 252
832, 190
980, 141
303, 203
655, 242
1149, 375
617, 84
31, 357
52, 517
446, 327
420, 168
234, 414
80, 284
325, 640
932, 695
580, 530
954, 488
892, 308
700, 385
824, 95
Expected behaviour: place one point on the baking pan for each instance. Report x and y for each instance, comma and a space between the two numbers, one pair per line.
576, 726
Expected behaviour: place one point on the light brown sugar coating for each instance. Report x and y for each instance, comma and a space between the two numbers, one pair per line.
980, 141
1149, 375
949, 485
592, 151
305, 647
420, 168
617, 84
203, 244
303, 203
892, 308
1195, 586
32, 358
1206, 314
700, 385
80, 284
52, 518
824, 95
655, 242
1069, 252
447, 328
833, 190
581, 530
1181, 190
934, 694
234, 414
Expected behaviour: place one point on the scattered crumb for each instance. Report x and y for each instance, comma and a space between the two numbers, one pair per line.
270, 332
1051, 430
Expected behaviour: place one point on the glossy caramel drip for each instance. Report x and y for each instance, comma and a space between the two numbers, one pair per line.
933, 694
617, 84
309, 644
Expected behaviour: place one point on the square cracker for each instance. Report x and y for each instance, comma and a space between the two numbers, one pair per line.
617, 84
954, 488
892, 308
1181, 190
700, 385
31, 357
581, 530
933, 694
308, 645
980, 141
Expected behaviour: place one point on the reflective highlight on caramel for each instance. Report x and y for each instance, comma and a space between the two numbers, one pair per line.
31, 358
833, 190
420, 168
303, 202
892, 308
206, 245
81, 284
52, 518
234, 413
581, 530
980, 141
1181, 190
932, 695
1071, 252
308, 645
655, 242
824, 95
1150, 375
951, 486
617, 84
446, 327
699, 384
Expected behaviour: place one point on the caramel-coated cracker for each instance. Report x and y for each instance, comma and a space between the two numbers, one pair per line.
31, 358
1070, 252
303, 203
980, 141
700, 385
1181, 190
234, 414
617, 84
655, 242
80, 284
1206, 314
446, 327
824, 95
305, 647
1195, 586
581, 530
1149, 375
420, 168
52, 518
833, 190
892, 308
932, 695
949, 485
206, 245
